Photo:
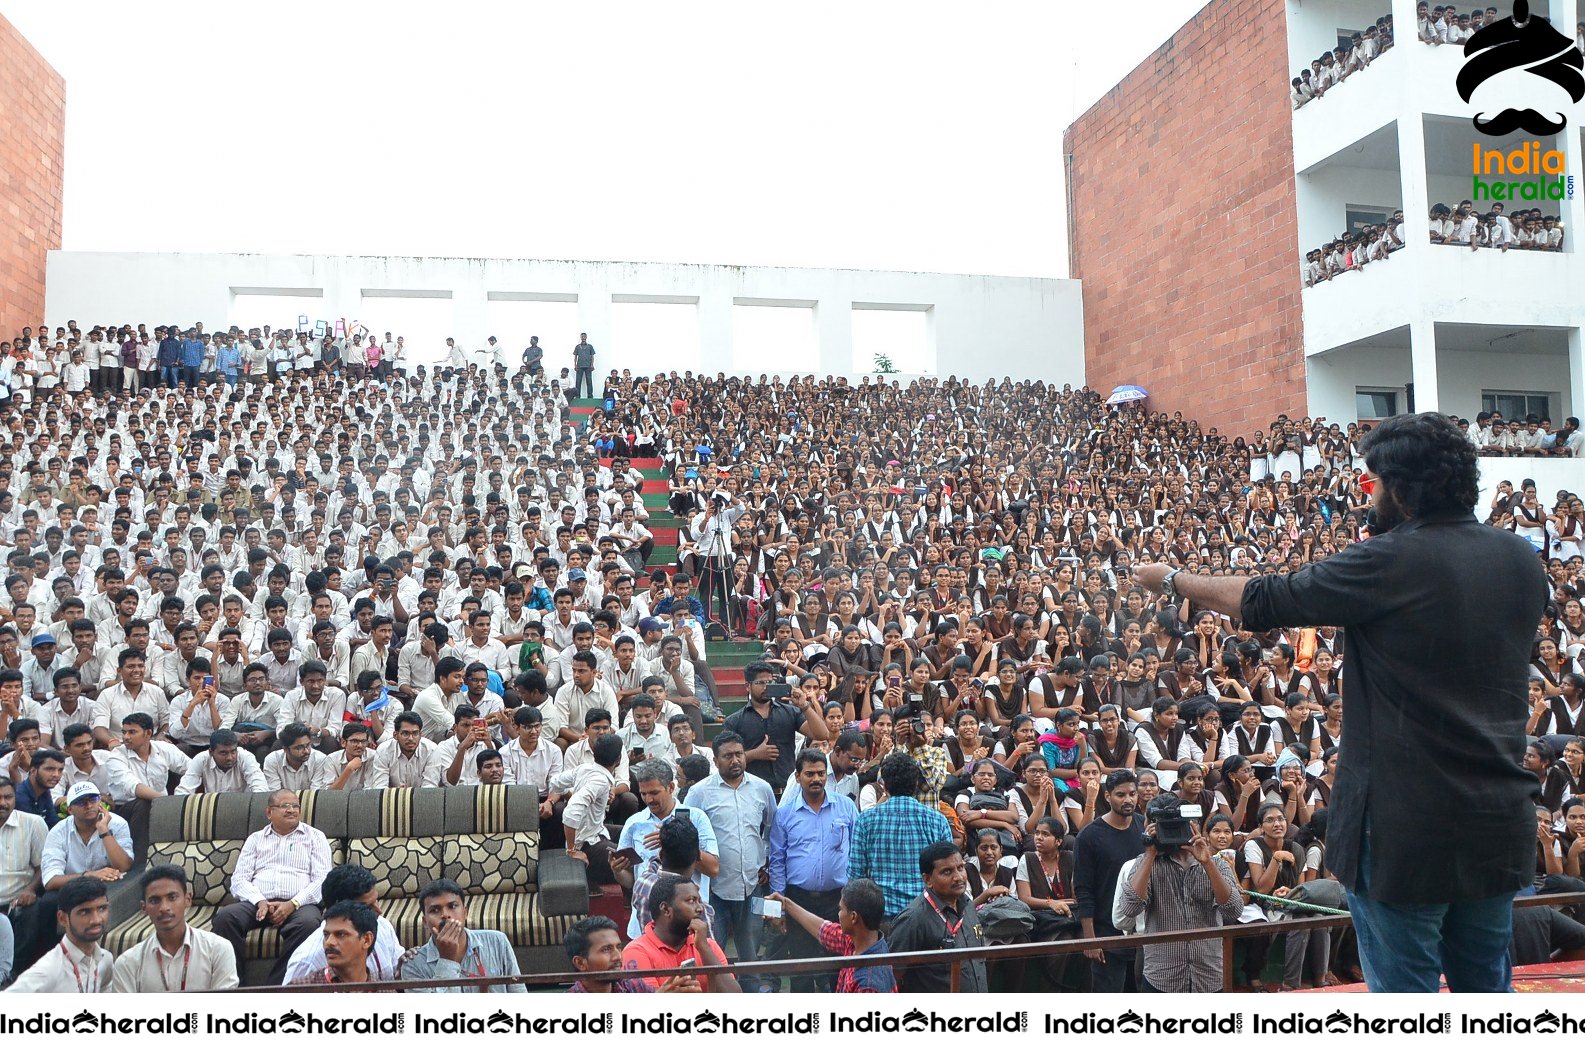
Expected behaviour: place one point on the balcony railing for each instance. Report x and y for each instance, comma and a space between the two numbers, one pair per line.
955, 958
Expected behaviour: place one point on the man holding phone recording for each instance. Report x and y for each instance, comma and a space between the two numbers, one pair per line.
769, 725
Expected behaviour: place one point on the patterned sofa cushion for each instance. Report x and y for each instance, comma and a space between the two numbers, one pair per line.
260, 944
208, 865
493, 863
515, 914
402, 866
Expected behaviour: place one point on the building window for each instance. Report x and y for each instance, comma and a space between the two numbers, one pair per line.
1516, 404
1371, 405
1360, 216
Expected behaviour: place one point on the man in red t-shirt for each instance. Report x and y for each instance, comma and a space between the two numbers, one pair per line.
678, 936
860, 913
595, 948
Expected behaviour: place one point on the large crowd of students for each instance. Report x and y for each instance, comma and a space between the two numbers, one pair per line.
354, 574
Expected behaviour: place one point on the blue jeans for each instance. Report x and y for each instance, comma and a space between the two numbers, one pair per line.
1408, 947
735, 920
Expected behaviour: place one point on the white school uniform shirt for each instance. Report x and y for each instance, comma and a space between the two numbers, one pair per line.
203, 776
65, 969
314, 773
128, 771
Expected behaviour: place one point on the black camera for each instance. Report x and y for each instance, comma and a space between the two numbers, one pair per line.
778, 691
1174, 821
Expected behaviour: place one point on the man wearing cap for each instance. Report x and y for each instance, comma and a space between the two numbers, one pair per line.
38, 669
92, 842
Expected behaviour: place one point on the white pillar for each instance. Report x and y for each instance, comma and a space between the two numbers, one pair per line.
834, 337
1576, 376
470, 318
715, 331
594, 317
1422, 357
1411, 170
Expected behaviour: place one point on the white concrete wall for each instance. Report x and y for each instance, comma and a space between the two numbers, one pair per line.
1445, 284
1550, 475
1463, 374
1335, 377
981, 327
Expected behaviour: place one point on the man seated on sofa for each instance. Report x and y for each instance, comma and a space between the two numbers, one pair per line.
348, 882
453, 950
277, 882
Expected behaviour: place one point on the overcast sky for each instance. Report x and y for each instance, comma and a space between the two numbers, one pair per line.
876, 135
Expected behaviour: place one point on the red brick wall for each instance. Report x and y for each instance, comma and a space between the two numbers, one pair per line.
32, 144
1182, 224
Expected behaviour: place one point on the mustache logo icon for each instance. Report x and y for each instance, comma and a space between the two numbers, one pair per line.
1531, 44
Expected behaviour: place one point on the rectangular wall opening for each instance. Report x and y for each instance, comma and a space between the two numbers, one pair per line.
285, 308
651, 337
513, 319
423, 321
774, 339
899, 333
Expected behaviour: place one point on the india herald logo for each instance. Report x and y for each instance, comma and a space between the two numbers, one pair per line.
1528, 43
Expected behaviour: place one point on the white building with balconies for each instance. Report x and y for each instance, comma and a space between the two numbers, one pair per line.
1435, 327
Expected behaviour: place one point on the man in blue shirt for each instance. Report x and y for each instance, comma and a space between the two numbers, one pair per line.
657, 788
742, 809
681, 594
192, 359
888, 839
228, 361
809, 857
34, 793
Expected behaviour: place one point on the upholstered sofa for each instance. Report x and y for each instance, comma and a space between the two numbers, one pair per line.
485, 838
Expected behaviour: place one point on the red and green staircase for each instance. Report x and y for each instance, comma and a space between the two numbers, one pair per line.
726, 659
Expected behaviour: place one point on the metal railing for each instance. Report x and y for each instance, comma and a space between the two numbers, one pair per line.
953, 958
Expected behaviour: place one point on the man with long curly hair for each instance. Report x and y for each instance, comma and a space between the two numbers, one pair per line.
1433, 830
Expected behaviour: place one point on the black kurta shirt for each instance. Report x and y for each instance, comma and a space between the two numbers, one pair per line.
1440, 614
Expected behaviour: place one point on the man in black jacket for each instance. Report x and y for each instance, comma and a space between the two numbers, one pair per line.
1432, 827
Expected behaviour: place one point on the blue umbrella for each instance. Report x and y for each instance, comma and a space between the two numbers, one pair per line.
1126, 394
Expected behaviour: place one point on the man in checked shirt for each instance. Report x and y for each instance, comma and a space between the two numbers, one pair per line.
1179, 889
